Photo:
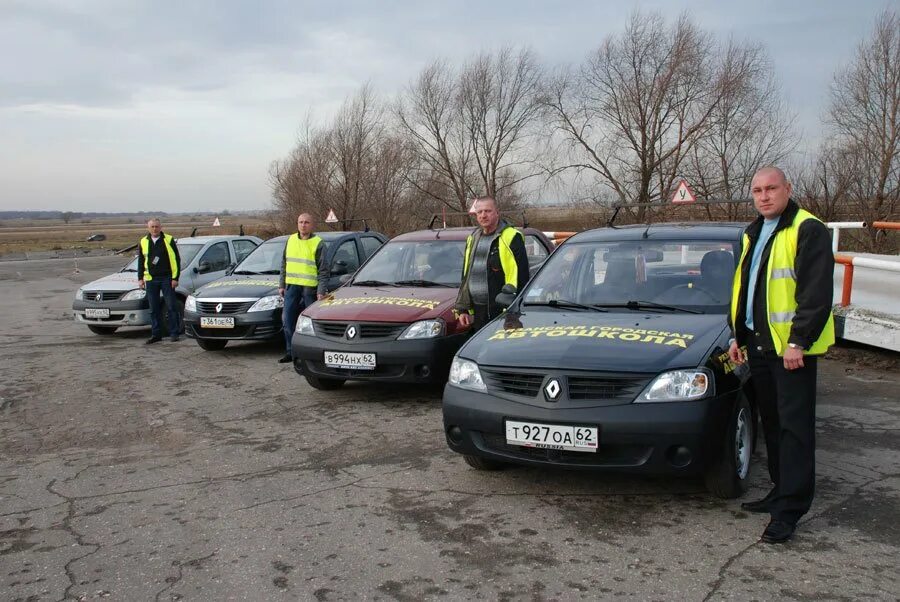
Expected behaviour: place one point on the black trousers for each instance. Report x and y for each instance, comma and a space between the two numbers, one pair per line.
787, 405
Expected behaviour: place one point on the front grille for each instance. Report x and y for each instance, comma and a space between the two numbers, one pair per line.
104, 295
367, 330
228, 307
516, 383
605, 387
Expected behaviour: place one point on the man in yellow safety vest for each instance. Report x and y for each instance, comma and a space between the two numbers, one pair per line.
303, 276
781, 310
159, 267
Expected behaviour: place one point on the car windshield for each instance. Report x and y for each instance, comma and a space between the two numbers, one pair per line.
411, 263
646, 275
186, 252
265, 259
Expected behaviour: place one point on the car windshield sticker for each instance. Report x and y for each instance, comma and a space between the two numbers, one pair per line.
265, 283
423, 303
631, 335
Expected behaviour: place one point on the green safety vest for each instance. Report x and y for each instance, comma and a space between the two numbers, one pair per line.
781, 288
300, 261
507, 259
145, 249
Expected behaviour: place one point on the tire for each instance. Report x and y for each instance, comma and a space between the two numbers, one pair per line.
479, 463
729, 474
324, 384
212, 344
102, 330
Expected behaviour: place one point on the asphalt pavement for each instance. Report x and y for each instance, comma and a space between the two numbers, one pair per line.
130, 472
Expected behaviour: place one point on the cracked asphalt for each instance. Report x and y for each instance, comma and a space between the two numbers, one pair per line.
170, 473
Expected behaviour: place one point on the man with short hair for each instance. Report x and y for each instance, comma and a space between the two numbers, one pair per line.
781, 310
159, 266
303, 276
495, 256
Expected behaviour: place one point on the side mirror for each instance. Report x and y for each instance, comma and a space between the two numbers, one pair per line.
339, 268
506, 295
345, 278
229, 269
202, 267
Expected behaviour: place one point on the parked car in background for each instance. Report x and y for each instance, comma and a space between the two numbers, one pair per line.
394, 321
245, 305
116, 300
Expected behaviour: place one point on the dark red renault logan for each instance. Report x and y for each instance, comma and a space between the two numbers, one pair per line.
394, 320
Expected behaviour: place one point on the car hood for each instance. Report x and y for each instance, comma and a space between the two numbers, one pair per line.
626, 342
383, 304
118, 281
246, 286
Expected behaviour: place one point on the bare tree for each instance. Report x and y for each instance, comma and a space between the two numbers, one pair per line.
865, 116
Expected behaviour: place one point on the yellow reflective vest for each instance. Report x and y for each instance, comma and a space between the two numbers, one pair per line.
781, 288
300, 261
507, 259
145, 250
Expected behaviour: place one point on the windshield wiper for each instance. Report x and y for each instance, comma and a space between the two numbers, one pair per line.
425, 283
637, 305
269, 272
371, 283
564, 303
247, 272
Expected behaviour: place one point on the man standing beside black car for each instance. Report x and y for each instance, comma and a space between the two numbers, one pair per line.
159, 266
495, 256
781, 310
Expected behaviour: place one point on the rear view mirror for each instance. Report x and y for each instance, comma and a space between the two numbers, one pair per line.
506, 295
339, 268
202, 267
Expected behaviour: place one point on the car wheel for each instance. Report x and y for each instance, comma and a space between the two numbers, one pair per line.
102, 330
212, 344
729, 474
479, 463
324, 384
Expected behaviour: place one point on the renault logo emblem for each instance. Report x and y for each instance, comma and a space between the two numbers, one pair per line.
552, 389
219, 308
98, 297
351, 332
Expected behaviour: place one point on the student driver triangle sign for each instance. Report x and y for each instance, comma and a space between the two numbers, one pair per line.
331, 217
683, 194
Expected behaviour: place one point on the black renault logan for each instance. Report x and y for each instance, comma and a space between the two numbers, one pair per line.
613, 358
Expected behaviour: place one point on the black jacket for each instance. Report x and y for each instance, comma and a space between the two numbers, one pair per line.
814, 266
496, 278
162, 269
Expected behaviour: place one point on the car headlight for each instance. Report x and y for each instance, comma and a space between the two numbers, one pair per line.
79, 294
465, 374
137, 293
190, 304
304, 325
678, 385
266, 303
423, 329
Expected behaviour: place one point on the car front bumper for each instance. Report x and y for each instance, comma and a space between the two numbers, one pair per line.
248, 326
121, 313
409, 361
652, 438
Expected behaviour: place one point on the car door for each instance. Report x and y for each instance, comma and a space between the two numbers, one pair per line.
345, 260
241, 248
213, 262
370, 244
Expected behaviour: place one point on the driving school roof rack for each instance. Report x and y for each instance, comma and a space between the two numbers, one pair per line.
344, 222
610, 222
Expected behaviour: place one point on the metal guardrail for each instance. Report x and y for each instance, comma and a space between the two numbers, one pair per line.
850, 262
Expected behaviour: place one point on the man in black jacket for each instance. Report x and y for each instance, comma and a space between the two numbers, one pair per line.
781, 311
495, 255
159, 267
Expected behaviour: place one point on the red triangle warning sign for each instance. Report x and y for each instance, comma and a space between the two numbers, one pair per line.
331, 218
472, 206
217, 223
683, 194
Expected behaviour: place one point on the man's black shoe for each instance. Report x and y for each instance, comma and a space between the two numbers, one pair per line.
153, 340
778, 531
286, 359
174, 338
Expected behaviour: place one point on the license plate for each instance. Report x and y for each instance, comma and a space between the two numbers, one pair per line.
96, 313
350, 361
216, 322
552, 436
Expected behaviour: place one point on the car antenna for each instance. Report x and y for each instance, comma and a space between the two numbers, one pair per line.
241, 230
194, 231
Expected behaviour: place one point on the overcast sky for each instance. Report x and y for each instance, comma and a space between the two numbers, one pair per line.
178, 106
